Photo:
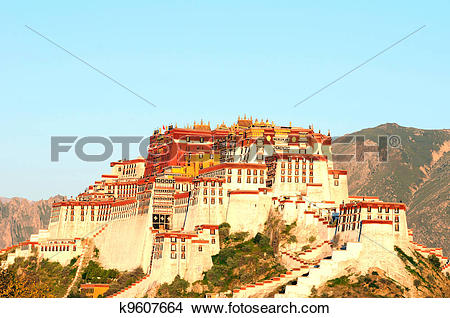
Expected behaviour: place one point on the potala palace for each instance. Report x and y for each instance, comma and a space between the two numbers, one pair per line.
162, 213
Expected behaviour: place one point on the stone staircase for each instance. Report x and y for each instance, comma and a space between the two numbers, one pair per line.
136, 289
82, 262
265, 287
139, 287
328, 268
86, 255
428, 251
307, 257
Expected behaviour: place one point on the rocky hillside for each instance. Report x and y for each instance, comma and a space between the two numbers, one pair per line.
416, 172
419, 277
19, 218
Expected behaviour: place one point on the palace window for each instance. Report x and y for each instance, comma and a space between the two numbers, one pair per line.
296, 172
173, 247
183, 248
397, 227
229, 179
239, 180
202, 139
296, 179
396, 219
200, 248
239, 172
311, 180
173, 239
183, 255
248, 180
249, 172
282, 171
213, 241
369, 209
261, 180
173, 255
205, 201
304, 167
255, 172
396, 210
205, 191
229, 171
261, 172
283, 165
188, 139
220, 201
289, 179
304, 179
213, 201
336, 182
290, 166
282, 179
213, 192
255, 180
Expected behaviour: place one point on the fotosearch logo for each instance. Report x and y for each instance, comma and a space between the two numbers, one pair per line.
356, 148
61, 144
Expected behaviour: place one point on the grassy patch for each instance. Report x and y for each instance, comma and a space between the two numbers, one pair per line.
343, 280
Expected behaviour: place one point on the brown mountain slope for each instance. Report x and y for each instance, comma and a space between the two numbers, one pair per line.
417, 172
19, 218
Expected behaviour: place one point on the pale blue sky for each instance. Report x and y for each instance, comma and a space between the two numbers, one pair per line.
203, 59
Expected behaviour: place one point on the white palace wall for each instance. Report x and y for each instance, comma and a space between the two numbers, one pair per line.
125, 244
